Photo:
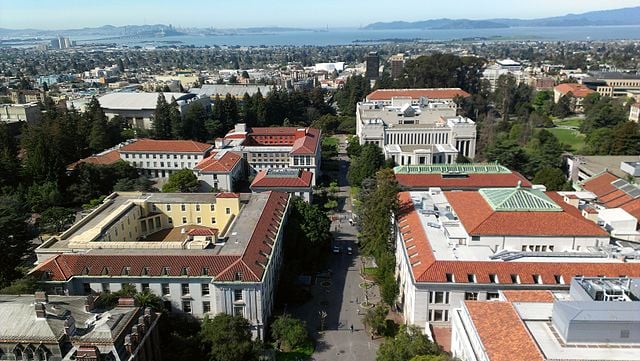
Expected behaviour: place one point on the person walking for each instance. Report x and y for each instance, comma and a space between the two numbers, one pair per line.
351, 328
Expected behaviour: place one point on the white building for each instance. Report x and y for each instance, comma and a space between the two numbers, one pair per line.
202, 253
161, 158
634, 113
468, 245
503, 67
598, 319
277, 147
139, 108
294, 181
416, 131
220, 170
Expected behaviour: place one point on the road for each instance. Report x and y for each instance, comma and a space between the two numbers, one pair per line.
340, 294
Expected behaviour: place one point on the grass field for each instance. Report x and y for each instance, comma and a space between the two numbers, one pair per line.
569, 136
330, 141
568, 122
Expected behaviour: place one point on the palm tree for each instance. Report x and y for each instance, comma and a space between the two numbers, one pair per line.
147, 299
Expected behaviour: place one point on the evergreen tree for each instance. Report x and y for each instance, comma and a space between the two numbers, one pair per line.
248, 111
162, 119
195, 122
178, 125
562, 109
228, 338
14, 238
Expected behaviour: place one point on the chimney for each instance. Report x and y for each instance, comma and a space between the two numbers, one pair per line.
89, 303
126, 302
40, 310
41, 297
240, 128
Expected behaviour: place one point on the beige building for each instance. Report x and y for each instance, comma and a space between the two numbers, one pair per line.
616, 85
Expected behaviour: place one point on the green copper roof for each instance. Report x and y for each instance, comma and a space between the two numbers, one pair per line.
462, 168
519, 200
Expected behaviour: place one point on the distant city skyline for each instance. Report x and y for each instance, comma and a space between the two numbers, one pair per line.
67, 14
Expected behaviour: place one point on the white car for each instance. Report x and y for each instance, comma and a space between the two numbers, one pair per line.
349, 250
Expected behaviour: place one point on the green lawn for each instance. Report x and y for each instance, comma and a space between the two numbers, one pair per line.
568, 122
568, 136
301, 353
330, 141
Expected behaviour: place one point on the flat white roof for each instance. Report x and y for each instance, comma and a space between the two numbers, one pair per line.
135, 101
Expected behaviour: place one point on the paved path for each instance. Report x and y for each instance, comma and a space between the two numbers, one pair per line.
340, 293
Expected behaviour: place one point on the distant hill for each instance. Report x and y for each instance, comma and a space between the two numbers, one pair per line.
625, 16
105, 30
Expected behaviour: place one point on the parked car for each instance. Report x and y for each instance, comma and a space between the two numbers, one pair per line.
336, 250
349, 250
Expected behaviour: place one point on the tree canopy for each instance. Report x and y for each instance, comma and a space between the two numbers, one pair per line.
182, 181
228, 338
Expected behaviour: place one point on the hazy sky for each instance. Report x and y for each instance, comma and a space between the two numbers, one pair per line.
65, 14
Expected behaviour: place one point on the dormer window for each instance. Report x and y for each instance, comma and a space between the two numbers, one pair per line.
126, 270
471, 278
184, 271
145, 271
205, 271
515, 279
493, 278
85, 271
537, 279
238, 276
559, 279
165, 271
450, 277
105, 271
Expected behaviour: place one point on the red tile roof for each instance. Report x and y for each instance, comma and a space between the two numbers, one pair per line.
64, 266
472, 182
529, 296
503, 334
479, 218
202, 232
107, 158
578, 90
166, 146
224, 164
303, 180
435, 93
257, 255
600, 185
227, 195
307, 144
426, 268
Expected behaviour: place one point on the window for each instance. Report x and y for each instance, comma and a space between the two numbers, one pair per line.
185, 289
86, 287
471, 296
145, 287
206, 306
213, 219
492, 296
475, 238
205, 271
471, 278
197, 208
126, 270
158, 224
493, 278
238, 276
184, 271
227, 210
199, 220
213, 207
105, 271
183, 207
106, 288
537, 279
524, 248
515, 279
237, 295
205, 289
165, 271
165, 289
238, 311
145, 271
439, 315
439, 297
184, 220
450, 277
186, 306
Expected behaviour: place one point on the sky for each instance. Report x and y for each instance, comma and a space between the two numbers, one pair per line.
66, 14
